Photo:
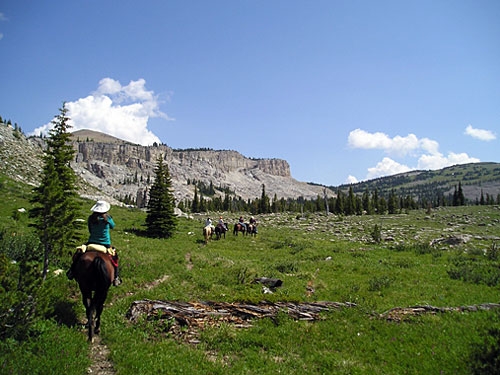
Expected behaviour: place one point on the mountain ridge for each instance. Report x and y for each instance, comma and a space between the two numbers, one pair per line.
118, 169
476, 179
115, 169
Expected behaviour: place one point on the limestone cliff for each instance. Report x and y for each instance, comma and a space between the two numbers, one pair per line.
120, 168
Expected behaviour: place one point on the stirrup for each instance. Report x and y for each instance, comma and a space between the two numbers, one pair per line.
117, 281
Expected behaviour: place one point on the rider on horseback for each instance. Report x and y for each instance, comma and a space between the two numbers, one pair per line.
241, 221
221, 224
253, 223
208, 223
99, 224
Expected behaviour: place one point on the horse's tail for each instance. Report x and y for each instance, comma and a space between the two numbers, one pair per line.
102, 274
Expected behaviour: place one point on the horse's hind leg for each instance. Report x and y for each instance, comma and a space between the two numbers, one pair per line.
97, 328
98, 312
90, 322
89, 312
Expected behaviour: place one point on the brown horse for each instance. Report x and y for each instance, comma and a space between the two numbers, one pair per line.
238, 228
207, 233
220, 230
252, 229
94, 272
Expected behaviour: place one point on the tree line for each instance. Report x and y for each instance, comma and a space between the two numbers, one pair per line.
340, 203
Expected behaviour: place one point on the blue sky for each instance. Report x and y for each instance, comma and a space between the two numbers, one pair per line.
343, 90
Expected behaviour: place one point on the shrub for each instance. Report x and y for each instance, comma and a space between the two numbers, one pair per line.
376, 233
493, 252
474, 269
20, 280
376, 284
286, 267
485, 357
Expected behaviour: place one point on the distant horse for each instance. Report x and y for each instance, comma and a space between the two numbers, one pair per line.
220, 230
238, 227
207, 233
94, 272
252, 229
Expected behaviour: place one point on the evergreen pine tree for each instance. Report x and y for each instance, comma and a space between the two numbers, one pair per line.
160, 219
375, 201
264, 205
382, 206
226, 205
195, 206
455, 197
350, 206
54, 200
203, 206
461, 197
367, 203
392, 204
340, 203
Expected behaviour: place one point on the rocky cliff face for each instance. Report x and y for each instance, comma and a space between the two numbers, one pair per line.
20, 159
115, 169
121, 169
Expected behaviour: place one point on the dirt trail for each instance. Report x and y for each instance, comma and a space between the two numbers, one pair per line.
99, 352
99, 355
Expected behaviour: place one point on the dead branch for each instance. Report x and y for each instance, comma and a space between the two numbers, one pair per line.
400, 313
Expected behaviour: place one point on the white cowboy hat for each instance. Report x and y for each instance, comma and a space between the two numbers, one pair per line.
101, 207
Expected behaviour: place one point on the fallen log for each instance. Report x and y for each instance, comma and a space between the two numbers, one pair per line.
235, 310
187, 319
400, 313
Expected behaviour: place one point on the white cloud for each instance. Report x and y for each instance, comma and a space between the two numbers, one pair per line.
481, 134
361, 139
351, 180
430, 146
389, 167
425, 149
386, 167
108, 86
439, 161
398, 145
120, 111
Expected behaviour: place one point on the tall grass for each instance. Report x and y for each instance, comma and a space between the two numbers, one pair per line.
317, 258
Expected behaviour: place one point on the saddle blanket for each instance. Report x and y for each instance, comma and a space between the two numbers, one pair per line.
100, 248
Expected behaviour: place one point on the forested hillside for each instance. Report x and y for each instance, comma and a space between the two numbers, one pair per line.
480, 183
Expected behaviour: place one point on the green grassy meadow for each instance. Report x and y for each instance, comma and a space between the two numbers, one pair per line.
318, 258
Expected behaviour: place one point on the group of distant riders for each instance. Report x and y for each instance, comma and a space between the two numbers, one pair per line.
240, 226
100, 223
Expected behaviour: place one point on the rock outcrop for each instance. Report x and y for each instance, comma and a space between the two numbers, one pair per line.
122, 168
116, 169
